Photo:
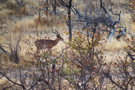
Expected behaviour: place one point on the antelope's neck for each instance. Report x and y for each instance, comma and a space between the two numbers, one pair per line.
56, 41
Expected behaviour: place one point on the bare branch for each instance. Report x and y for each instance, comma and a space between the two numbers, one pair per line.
12, 80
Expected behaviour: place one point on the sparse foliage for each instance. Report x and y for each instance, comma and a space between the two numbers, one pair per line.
82, 64
132, 8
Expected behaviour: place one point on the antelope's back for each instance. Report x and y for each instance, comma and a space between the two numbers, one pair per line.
42, 44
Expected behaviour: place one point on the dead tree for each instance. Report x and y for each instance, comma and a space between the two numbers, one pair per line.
105, 18
68, 5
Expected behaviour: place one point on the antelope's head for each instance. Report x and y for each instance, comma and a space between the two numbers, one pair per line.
58, 35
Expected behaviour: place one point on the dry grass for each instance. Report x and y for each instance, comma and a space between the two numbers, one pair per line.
34, 24
2, 81
26, 22
29, 36
126, 20
113, 57
5, 13
5, 83
114, 51
133, 27
34, 30
10, 8
114, 45
32, 3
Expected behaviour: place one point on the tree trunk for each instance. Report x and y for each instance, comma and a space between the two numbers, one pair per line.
0, 61
53, 76
47, 7
54, 7
69, 20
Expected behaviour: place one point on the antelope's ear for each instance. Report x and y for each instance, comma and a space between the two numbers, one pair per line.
55, 32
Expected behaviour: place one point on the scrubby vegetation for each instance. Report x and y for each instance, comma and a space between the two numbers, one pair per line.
98, 50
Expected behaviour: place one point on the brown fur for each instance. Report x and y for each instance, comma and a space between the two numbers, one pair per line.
47, 44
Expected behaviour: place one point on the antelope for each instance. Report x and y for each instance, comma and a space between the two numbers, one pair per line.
47, 43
